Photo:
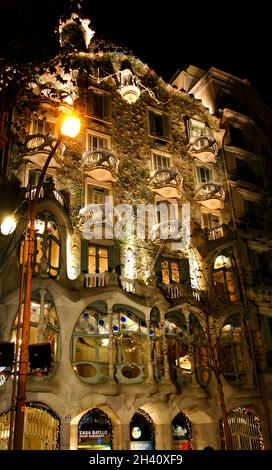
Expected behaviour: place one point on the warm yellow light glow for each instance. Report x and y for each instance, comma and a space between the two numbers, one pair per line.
8, 225
70, 126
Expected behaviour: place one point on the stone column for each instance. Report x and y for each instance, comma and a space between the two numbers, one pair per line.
73, 436
41, 324
166, 378
163, 436
111, 348
150, 377
190, 347
123, 432
65, 433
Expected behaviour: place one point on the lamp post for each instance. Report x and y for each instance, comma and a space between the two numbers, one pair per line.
70, 128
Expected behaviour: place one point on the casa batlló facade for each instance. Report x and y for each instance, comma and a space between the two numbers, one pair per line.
152, 256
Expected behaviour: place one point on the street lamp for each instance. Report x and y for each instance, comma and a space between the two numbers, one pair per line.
70, 127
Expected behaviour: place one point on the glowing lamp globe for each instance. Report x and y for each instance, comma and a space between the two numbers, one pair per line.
8, 225
71, 126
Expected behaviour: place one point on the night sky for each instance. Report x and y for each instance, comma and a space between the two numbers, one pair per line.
166, 35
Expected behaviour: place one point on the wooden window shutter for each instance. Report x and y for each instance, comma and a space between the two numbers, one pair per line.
84, 256
105, 106
165, 125
184, 271
152, 123
114, 256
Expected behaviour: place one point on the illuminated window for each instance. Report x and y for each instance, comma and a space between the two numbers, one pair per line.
224, 279
47, 246
91, 354
44, 325
96, 141
246, 430
97, 259
204, 174
232, 354
170, 271
160, 161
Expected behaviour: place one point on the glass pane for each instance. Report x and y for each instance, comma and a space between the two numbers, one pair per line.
33, 336
165, 272
86, 323
103, 325
34, 312
50, 315
92, 259
175, 271
230, 286
85, 349
103, 260
131, 349
55, 254
39, 250
103, 352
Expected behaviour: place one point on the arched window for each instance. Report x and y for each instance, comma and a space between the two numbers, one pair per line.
95, 431
233, 355
224, 279
201, 355
90, 347
47, 246
177, 341
181, 433
245, 429
41, 429
130, 338
142, 431
91, 339
44, 325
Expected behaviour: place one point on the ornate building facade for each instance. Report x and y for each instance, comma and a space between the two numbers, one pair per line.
131, 339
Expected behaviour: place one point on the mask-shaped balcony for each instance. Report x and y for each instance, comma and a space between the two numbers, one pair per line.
210, 195
203, 148
38, 147
167, 182
102, 165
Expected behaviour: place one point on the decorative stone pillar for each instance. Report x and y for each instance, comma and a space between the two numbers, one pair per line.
166, 378
65, 433
43, 268
163, 436
123, 430
41, 324
190, 346
150, 376
111, 347
73, 436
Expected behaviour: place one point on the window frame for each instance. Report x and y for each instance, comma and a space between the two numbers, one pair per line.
207, 167
97, 257
90, 134
106, 104
163, 155
165, 124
